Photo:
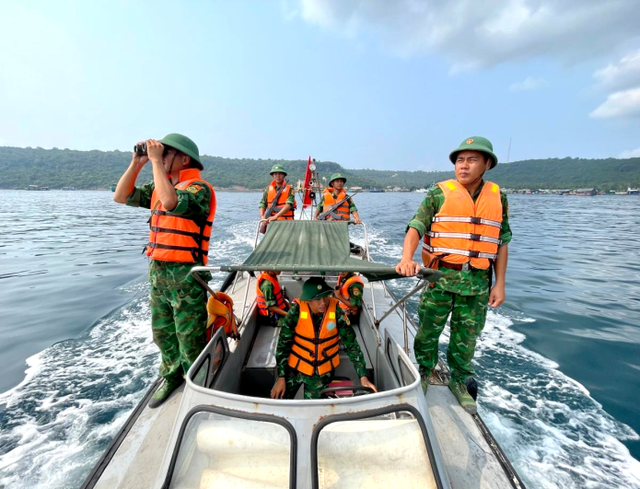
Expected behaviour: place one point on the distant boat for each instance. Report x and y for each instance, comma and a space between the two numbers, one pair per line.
376, 190
69, 188
633, 191
37, 187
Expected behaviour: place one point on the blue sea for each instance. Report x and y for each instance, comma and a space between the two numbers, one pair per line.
558, 363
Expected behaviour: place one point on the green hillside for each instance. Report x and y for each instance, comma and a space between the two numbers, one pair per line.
57, 168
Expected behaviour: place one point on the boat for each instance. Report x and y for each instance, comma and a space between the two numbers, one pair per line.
221, 428
633, 191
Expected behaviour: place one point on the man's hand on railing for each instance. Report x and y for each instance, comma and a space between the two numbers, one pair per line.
408, 268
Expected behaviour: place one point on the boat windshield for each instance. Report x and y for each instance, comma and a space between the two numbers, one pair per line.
387, 450
222, 450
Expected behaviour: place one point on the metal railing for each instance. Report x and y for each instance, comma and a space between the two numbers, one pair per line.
402, 302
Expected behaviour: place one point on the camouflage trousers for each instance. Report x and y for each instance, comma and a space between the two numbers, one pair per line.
313, 384
468, 315
178, 322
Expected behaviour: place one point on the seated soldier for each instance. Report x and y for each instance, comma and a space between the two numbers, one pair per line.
349, 289
270, 298
309, 344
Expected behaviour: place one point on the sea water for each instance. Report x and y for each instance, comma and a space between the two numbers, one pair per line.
558, 364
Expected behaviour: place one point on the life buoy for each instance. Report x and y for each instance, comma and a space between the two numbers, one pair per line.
220, 310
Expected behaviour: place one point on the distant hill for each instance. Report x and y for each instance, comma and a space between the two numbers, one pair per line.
57, 168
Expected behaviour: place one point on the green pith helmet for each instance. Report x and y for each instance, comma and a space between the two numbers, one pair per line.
355, 294
184, 145
277, 169
335, 176
476, 143
315, 288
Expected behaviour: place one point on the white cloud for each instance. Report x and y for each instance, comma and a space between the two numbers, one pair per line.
529, 83
631, 153
621, 75
620, 104
473, 34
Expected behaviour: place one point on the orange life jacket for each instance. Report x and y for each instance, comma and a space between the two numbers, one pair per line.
464, 231
343, 212
343, 290
263, 310
176, 238
316, 352
220, 309
282, 201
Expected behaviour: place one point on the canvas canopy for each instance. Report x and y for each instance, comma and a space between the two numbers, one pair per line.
314, 246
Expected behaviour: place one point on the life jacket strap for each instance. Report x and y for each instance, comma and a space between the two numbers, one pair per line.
470, 220
298, 345
157, 212
469, 236
454, 251
195, 236
315, 363
315, 341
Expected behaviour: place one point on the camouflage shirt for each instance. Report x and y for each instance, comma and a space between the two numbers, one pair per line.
462, 282
290, 200
193, 203
268, 293
347, 336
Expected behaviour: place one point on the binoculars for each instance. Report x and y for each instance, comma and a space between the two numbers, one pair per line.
140, 149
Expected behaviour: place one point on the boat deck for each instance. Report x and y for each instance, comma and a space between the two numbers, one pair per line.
468, 453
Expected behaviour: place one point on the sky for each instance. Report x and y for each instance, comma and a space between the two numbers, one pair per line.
364, 83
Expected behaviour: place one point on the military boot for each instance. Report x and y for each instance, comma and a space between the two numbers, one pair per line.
459, 390
163, 392
424, 381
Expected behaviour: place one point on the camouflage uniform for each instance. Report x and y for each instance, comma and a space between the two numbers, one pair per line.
463, 293
270, 300
178, 302
313, 384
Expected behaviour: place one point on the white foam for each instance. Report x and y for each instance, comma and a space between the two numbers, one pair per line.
552, 431
74, 399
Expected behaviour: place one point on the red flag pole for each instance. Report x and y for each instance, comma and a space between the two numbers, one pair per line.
306, 201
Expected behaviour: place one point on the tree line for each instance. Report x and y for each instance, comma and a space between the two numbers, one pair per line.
57, 168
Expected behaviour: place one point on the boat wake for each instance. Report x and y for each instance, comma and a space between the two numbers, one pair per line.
78, 393
553, 432
75, 397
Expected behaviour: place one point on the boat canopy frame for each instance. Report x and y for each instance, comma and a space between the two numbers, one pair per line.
316, 248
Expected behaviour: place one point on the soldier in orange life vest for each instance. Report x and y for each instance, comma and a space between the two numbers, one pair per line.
349, 288
271, 302
334, 194
465, 226
309, 344
284, 207
183, 206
